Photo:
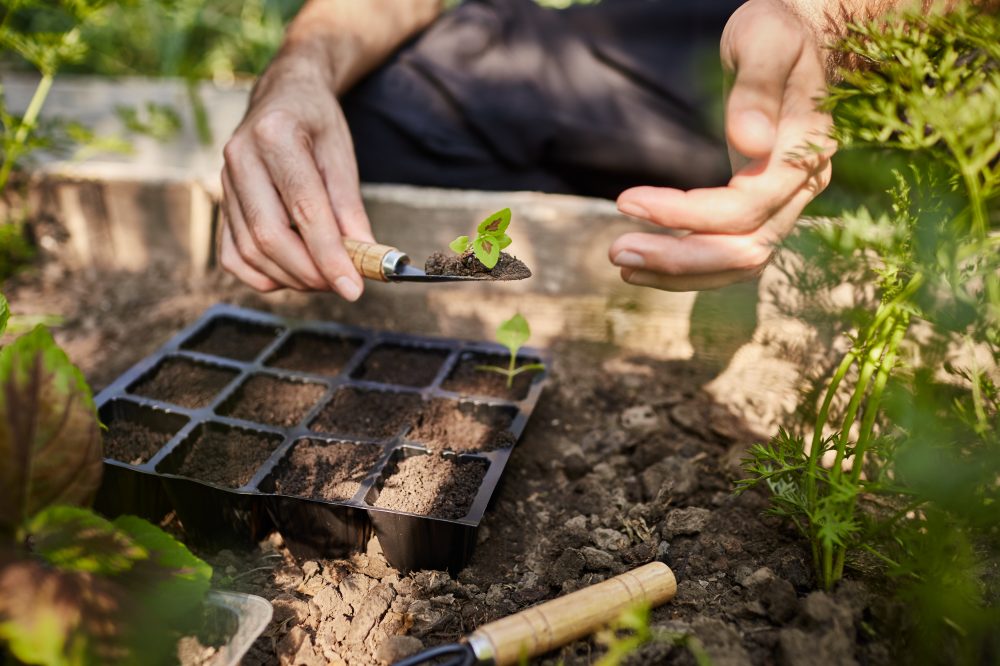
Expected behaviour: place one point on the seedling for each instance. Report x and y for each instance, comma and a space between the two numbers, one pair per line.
491, 238
512, 334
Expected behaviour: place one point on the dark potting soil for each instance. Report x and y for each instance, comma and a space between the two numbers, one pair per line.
406, 366
508, 267
232, 339
315, 353
432, 485
373, 414
227, 457
131, 442
185, 383
325, 470
274, 401
466, 379
451, 425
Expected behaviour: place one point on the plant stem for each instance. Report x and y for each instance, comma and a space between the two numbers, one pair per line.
510, 370
26, 125
821, 419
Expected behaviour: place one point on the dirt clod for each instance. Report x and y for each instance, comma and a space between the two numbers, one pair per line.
508, 267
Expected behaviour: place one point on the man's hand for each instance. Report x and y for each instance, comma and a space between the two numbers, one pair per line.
773, 130
290, 184
290, 187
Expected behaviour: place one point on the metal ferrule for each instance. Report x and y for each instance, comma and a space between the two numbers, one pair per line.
482, 647
392, 261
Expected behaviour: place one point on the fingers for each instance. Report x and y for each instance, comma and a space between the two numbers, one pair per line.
696, 254
244, 238
338, 168
274, 177
641, 278
231, 260
304, 195
762, 47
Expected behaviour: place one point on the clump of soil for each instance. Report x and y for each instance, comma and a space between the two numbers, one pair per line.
407, 366
446, 424
224, 456
185, 383
325, 470
274, 401
465, 379
315, 353
508, 267
432, 485
373, 414
232, 339
133, 443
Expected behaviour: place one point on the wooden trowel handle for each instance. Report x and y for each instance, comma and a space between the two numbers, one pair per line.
370, 258
547, 626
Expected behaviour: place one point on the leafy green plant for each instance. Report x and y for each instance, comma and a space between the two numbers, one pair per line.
78, 589
491, 238
908, 419
513, 334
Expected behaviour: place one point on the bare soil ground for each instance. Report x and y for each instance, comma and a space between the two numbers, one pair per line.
627, 459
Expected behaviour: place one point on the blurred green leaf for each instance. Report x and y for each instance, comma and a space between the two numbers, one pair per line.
50, 446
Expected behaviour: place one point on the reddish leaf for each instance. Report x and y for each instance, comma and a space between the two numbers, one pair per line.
50, 445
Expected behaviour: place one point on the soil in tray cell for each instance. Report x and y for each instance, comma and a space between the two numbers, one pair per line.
273, 401
183, 382
133, 443
371, 414
396, 364
462, 427
325, 470
232, 338
467, 380
432, 485
220, 455
315, 353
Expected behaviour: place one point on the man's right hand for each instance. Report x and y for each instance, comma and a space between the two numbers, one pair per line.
290, 191
290, 187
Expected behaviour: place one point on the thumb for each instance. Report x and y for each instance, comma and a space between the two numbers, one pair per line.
760, 47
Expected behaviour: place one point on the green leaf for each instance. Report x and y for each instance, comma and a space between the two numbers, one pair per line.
50, 446
75, 539
513, 333
4, 313
487, 250
167, 587
504, 240
459, 245
496, 224
57, 618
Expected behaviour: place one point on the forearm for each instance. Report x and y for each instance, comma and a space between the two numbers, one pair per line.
339, 41
828, 20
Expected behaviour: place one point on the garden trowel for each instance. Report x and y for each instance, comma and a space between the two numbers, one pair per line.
387, 264
539, 629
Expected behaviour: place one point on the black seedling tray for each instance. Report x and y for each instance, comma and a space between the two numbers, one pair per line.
212, 382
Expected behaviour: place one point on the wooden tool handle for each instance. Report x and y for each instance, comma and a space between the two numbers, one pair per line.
368, 258
544, 627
